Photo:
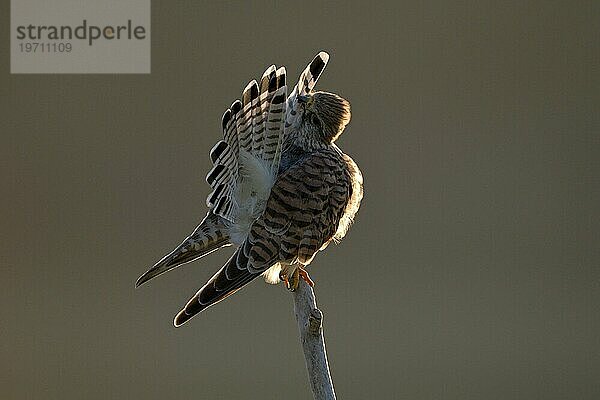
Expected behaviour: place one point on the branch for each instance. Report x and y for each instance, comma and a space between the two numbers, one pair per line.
310, 320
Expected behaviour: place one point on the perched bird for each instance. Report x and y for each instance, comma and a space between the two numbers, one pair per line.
281, 189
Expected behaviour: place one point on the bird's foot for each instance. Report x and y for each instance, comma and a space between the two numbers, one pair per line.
305, 277
284, 278
292, 281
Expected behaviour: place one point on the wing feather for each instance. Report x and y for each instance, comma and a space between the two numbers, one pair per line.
305, 207
306, 83
249, 128
307, 201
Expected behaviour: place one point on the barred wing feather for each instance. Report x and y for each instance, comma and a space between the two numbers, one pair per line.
245, 164
306, 83
250, 132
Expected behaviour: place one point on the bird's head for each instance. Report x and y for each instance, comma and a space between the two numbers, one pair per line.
324, 116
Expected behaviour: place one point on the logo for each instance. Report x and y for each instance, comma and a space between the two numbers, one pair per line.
82, 32
80, 36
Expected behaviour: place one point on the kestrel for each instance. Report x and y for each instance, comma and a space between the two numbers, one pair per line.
281, 189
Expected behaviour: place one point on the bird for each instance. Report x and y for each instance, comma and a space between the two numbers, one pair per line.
282, 190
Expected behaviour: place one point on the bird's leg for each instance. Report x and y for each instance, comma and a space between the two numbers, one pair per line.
292, 281
299, 273
295, 279
305, 277
284, 277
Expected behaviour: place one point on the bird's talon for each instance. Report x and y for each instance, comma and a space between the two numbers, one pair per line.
284, 279
305, 277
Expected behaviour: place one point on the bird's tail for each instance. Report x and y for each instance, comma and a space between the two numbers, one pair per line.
229, 279
209, 236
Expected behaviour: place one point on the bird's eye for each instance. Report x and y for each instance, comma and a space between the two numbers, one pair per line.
315, 120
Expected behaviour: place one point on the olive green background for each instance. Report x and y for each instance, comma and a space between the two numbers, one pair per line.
472, 271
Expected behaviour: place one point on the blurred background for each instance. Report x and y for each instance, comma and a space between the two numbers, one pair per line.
472, 271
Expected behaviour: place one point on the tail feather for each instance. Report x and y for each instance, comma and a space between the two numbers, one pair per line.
209, 236
228, 280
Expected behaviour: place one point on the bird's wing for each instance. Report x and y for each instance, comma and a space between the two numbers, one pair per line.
302, 213
246, 161
252, 127
209, 235
306, 83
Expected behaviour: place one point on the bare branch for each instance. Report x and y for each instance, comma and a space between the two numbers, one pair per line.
310, 326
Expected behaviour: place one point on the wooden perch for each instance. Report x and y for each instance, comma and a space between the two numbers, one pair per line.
310, 326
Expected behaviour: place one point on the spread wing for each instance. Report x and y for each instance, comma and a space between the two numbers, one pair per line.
255, 125
253, 129
302, 215
252, 125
